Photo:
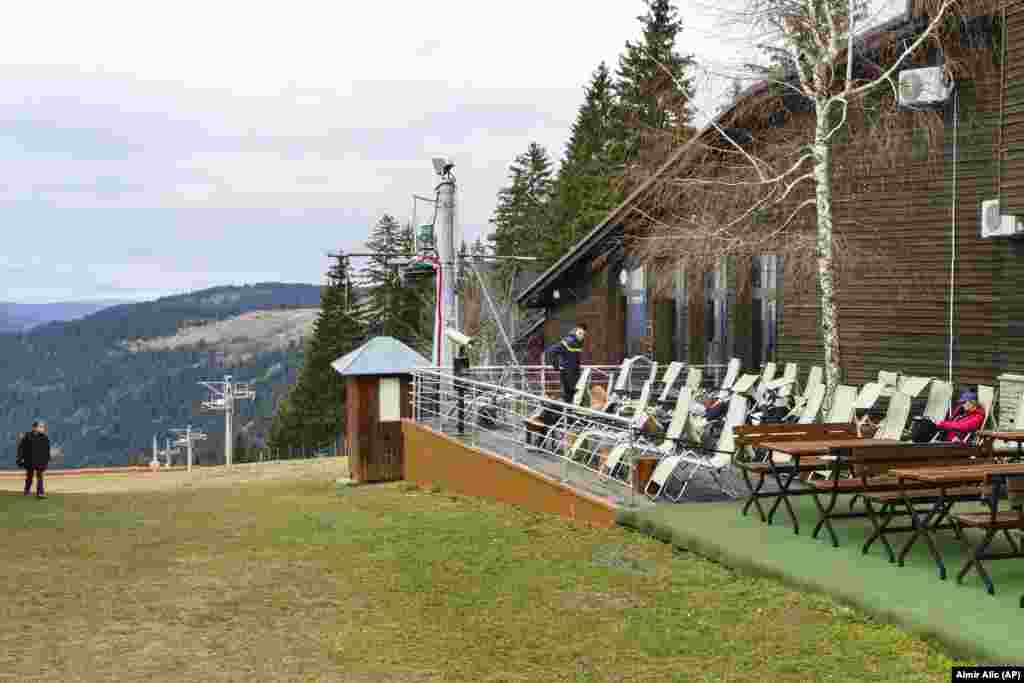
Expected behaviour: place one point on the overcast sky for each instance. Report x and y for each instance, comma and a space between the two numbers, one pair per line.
153, 148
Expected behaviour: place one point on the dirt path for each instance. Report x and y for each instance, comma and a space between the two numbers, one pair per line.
199, 477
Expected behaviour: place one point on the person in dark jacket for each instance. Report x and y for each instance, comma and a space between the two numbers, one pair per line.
565, 357
34, 452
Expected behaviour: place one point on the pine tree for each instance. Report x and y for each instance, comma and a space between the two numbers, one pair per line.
311, 414
395, 308
522, 217
648, 97
585, 190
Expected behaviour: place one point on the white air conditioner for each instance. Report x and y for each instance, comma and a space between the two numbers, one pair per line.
994, 223
924, 87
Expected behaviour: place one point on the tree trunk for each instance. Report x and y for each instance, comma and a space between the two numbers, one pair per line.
822, 150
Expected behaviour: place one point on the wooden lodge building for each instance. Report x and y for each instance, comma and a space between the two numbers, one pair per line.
910, 191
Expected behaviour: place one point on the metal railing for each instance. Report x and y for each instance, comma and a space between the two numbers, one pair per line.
544, 380
592, 451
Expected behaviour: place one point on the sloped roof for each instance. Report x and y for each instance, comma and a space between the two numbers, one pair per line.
379, 356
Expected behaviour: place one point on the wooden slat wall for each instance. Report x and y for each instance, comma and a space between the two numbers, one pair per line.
1009, 272
602, 307
894, 316
1013, 113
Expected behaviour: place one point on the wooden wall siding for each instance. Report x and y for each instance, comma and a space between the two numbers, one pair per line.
433, 458
1012, 185
603, 308
894, 316
1009, 273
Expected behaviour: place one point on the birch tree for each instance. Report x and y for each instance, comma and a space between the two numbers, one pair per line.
814, 38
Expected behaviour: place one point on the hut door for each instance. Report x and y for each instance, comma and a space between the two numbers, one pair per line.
387, 463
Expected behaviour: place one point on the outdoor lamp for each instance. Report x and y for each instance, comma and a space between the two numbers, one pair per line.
623, 277
556, 294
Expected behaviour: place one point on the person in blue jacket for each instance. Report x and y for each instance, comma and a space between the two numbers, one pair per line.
565, 357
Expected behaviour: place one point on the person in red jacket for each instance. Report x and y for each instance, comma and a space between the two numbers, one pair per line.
966, 418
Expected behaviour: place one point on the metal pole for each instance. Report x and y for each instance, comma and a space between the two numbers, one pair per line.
167, 452
447, 250
188, 437
229, 406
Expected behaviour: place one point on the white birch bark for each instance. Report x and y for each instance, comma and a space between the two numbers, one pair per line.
822, 150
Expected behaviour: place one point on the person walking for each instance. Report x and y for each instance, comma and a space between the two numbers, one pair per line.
34, 454
565, 357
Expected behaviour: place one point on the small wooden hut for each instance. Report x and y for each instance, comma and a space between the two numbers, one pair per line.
378, 391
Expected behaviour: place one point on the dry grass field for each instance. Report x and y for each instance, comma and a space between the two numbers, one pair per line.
270, 573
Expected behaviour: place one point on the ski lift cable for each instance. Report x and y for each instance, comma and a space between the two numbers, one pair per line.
494, 312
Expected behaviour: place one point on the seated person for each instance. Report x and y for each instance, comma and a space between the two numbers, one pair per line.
966, 418
546, 417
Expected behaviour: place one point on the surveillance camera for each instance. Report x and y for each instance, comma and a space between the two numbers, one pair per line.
442, 165
457, 337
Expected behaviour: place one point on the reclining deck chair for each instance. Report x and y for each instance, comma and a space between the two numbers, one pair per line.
888, 381
895, 420
987, 400
814, 378
694, 376
732, 373
715, 462
672, 372
913, 386
937, 405
788, 379
668, 446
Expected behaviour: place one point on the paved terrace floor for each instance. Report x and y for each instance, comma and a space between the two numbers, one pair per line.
963, 617
507, 444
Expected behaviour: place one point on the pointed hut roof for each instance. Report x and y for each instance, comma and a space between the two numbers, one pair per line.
380, 356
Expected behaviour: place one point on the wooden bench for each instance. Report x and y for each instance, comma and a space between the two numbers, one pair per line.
992, 523
870, 467
784, 473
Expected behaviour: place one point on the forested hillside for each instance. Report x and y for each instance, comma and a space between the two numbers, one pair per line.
18, 317
105, 393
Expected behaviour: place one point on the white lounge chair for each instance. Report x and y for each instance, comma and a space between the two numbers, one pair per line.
913, 386
717, 462
672, 372
895, 420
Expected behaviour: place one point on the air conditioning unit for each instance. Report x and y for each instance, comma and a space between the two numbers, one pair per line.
994, 223
924, 87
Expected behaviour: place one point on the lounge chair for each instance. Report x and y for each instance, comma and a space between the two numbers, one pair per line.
672, 373
716, 462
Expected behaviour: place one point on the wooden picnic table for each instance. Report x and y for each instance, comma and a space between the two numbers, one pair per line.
946, 479
818, 449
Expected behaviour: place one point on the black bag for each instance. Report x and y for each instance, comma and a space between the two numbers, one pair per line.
922, 430
774, 415
21, 460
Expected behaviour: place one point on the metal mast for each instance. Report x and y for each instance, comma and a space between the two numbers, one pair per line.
447, 253
222, 398
186, 437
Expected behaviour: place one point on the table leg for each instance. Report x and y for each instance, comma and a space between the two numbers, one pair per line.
825, 512
783, 494
975, 561
754, 497
924, 527
879, 533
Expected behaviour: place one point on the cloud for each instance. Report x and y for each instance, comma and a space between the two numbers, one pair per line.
274, 133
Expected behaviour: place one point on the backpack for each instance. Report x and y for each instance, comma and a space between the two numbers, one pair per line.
922, 430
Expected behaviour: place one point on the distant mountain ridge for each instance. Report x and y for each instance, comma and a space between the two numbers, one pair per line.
18, 317
108, 382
